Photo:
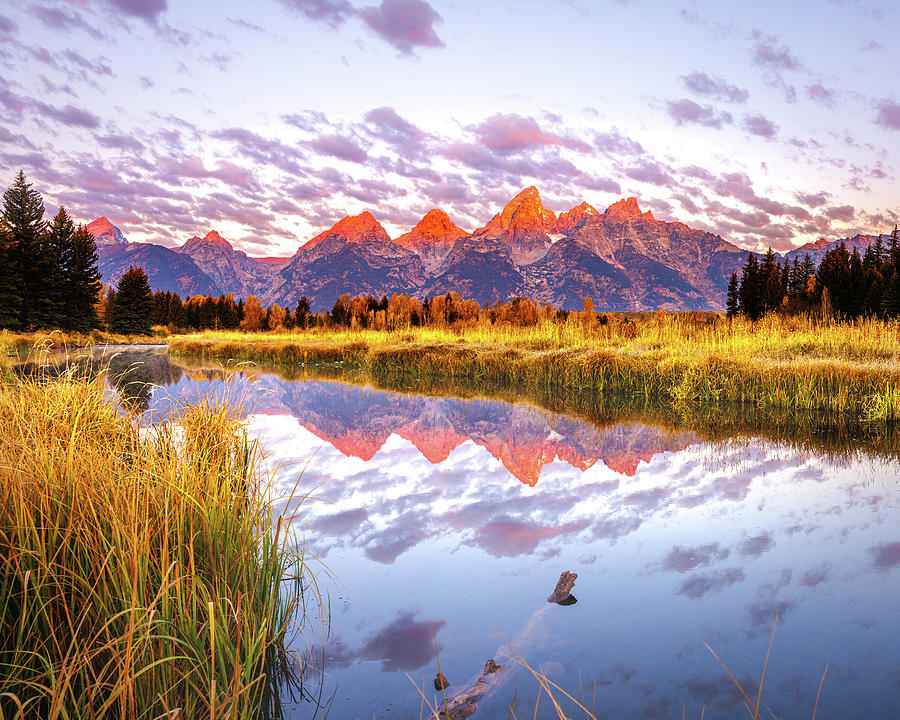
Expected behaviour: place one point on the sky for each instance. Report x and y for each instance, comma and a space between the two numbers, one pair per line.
768, 123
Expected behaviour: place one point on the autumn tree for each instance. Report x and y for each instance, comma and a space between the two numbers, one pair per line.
276, 317
253, 314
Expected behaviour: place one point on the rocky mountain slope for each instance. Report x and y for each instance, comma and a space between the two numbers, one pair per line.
623, 258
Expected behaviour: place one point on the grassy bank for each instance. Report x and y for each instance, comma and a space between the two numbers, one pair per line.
23, 342
141, 576
684, 361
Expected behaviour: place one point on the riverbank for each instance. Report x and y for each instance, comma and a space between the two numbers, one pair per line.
25, 342
680, 360
142, 574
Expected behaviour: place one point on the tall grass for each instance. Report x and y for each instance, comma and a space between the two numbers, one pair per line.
682, 360
140, 572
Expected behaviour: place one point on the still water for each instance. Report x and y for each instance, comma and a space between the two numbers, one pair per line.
436, 521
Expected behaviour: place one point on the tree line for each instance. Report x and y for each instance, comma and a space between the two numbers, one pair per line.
844, 286
49, 276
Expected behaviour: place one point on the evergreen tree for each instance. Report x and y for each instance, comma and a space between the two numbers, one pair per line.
750, 293
834, 275
301, 314
59, 247
83, 281
894, 249
10, 281
132, 311
176, 311
890, 300
733, 302
23, 213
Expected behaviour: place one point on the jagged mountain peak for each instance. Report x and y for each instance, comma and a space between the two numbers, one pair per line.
214, 238
627, 209
435, 227
352, 228
105, 233
567, 221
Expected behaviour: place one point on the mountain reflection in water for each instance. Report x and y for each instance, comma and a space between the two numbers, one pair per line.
449, 521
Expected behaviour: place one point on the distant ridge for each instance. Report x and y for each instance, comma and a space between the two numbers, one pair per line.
623, 258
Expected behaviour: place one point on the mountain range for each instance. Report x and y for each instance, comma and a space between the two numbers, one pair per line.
624, 258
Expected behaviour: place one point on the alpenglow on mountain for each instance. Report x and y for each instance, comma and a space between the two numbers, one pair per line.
623, 258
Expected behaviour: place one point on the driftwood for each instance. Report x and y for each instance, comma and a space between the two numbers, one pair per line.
441, 682
563, 592
465, 702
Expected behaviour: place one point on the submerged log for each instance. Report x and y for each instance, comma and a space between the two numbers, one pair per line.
464, 703
563, 589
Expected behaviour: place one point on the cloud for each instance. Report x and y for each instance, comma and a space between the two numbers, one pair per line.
7, 26
68, 115
120, 142
769, 54
703, 84
651, 172
886, 556
813, 200
697, 586
682, 559
509, 537
756, 546
888, 115
193, 167
404, 24
404, 645
759, 125
507, 134
100, 66
841, 212
58, 18
339, 147
820, 94
685, 112
148, 10
815, 577
330, 12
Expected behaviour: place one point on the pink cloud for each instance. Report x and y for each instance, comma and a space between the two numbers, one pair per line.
339, 147
405, 24
513, 133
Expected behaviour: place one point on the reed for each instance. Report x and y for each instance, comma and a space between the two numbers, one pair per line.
141, 575
682, 360
12, 343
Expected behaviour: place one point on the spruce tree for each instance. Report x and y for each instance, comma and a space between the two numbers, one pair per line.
750, 293
733, 301
132, 310
11, 285
59, 247
26, 252
890, 299
83, 281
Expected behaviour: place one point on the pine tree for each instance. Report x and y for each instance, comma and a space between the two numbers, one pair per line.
83, 280
301, 314
750, 293
59, 247
25, 249
733, 301
132, 310
890, 299
10, 281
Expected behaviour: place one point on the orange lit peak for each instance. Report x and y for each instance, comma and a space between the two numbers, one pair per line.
627, 209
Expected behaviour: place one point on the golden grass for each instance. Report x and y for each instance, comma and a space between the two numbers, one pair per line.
23, 342
682, 360
140, 572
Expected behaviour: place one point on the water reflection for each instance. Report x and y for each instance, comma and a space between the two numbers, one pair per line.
447, 523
